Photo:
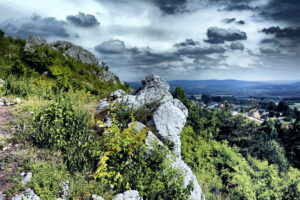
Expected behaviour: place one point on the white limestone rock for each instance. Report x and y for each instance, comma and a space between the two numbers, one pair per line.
129, 195
28, 194
169, 119
96, 197
154, 89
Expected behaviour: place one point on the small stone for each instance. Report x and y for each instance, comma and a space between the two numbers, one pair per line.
28, 194
26, 177
65, 189
17, 101
103, 104
2, 196
96, 197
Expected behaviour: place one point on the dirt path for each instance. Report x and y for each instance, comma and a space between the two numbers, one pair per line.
9, 161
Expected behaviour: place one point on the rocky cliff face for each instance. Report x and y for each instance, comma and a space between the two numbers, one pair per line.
169, 119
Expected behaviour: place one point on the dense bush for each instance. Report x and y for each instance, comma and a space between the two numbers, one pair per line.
63, 126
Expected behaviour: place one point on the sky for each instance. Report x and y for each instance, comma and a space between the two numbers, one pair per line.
176, 39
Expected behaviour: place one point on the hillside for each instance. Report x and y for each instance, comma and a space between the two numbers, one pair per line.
70, 129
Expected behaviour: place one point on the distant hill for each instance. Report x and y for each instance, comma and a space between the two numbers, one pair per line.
296, 84
233, 87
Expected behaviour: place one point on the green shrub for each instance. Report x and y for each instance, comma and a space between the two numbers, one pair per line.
125, 163
62, 125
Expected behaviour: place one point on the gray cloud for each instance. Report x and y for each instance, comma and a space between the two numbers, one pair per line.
83, 20
229, 20
236, 46
269, 50
111, 47
187, 42
35, 25
218, 35
198, 51
148, 57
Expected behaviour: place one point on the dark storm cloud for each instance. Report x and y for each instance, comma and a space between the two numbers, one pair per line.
35, 25
289, 32
187, 42
286, 10
231, 20
218, 35
236, 46
171, 6
83, 20
241, 22
111, 47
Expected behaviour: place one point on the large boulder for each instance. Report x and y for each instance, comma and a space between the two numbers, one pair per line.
129, 195
154, 90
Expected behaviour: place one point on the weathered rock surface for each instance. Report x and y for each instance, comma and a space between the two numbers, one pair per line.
103, 104
2, 196
75, 52
36, 40
117, 94
129, 195
26, 177
154, 89
151, 138
169, 119
28, 194
189, 177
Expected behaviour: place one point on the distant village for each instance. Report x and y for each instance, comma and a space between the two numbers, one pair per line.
251, 108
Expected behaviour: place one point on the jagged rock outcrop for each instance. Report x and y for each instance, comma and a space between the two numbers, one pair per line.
154, 90
129, 195
75, 52
169, 118
28, 194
